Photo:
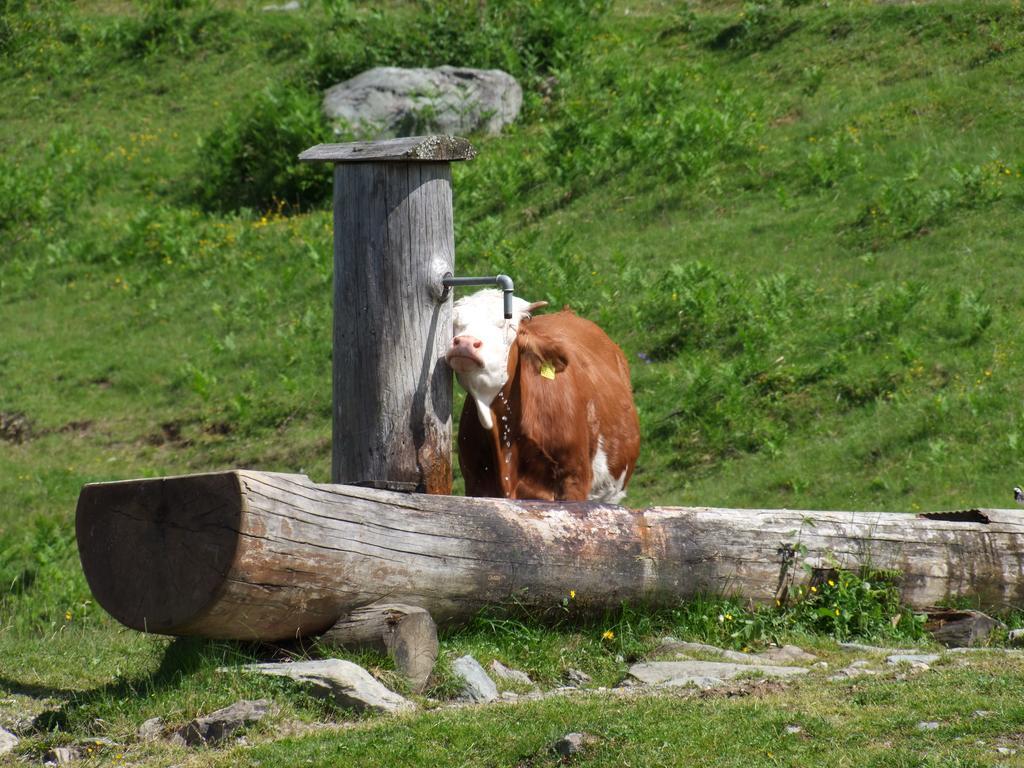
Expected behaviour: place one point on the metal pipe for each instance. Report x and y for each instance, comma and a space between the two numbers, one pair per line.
501, 281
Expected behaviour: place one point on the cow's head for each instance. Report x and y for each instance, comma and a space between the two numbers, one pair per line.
480, 347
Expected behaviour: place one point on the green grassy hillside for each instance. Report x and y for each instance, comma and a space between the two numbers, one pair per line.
799, 219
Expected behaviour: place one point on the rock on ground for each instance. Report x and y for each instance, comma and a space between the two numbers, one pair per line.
218, 726
477, 685
572, 743
576, 677
855, 669
789, 653
513, 675
912, 658
60, 756
872, 648
348, 684
388, 102
786, 653
151, 729
703, 674
8, 741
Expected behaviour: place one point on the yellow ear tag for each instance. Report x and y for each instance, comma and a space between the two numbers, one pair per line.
547, 370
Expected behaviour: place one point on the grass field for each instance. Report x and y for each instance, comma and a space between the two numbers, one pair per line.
799, 219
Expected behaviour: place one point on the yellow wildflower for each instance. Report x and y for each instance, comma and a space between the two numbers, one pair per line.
608, 635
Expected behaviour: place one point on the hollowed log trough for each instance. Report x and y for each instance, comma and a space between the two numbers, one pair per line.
249, 555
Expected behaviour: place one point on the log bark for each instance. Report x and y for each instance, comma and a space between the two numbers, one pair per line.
256, 555
405, 633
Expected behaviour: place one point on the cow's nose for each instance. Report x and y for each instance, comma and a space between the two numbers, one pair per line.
471, 342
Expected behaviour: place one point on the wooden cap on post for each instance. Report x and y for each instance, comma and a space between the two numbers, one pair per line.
394, 241
423, 149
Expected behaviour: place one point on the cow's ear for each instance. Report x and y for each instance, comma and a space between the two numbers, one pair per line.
541, 352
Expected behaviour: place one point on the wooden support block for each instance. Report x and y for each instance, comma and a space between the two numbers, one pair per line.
960, 629
405, 633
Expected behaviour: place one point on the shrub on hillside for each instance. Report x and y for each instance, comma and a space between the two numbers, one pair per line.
176, 27
655, 123
526, 39
250, 160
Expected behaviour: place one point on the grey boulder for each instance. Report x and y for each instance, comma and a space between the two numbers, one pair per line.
388, 102
477, 686
512, 675
217, 726
348, 684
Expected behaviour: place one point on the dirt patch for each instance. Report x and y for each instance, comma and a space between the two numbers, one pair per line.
170, 434
788, 119
756, 688
15, 427
77, 427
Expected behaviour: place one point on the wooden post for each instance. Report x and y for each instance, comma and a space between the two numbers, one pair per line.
393, 243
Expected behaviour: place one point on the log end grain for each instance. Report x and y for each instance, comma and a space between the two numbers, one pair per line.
156, 552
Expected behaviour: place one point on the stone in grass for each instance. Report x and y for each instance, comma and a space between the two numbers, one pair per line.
576, 677
914, 659
572, 744
703, 674
218, 726
512, 675
151, 730
8, 741
855, 669
870, 648
672, 645
477, 685
348, 684
787, 653
61, 756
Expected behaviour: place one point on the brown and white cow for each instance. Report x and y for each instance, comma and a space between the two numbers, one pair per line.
549, 410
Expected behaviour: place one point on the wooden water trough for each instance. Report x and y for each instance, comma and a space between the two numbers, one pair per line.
256, 555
